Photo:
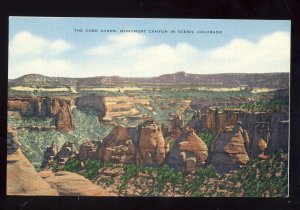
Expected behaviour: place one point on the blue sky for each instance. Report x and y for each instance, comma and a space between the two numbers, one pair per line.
51, 47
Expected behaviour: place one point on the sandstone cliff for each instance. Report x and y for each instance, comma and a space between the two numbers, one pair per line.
22, 179
63, 119
189, 151
36, 106
229, 149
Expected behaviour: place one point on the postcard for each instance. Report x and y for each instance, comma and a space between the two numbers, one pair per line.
148, 107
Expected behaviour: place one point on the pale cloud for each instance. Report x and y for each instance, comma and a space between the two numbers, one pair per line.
130, 55
27, 44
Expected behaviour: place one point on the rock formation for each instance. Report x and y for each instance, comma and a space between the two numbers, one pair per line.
189, 151
118, 146
68, 151
12, 141
88, 150
63, 119
109, 107
35, 106
71, 184
22, 179
176, 126
260, 139
152, 147
229, 149
49, 155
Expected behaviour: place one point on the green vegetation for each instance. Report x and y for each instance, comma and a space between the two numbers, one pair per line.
207, 137
264, 105
35, 142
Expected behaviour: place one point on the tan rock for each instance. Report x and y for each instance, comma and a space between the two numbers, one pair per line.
63, 121
22, 179
118, 146
152, 146
189, 151
229, 148
71, 184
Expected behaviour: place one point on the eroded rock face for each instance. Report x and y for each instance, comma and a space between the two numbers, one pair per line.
63, 119
22, 179
88, 150
118, 146
229, 149
13, 143
152, 147
35, 106
71, 184
189, 151
261, 137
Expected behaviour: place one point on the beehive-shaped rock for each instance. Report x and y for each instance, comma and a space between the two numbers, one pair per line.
189, 151
229, 149
118, 146
152, 147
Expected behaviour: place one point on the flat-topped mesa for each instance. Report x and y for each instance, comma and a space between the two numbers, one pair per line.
118, 146
189, 151
260, 139
63, 119
152, 147
229, 149
36, 106
109, 107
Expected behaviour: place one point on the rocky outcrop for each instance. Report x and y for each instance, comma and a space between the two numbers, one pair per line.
71, 184
189, 151
152, 147
13, 143
176, 125
229, 149
118, 146
63, 119
22, 179
88, 150
49, 155
68, 151
109, 107
35, 106
260, 139
214, 120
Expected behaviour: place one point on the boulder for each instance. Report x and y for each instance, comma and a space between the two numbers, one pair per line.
229, 149
118, 146
22, 179
152, 147
72, 184
189, 151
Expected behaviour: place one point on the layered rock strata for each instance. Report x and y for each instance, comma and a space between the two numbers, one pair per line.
189, 151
